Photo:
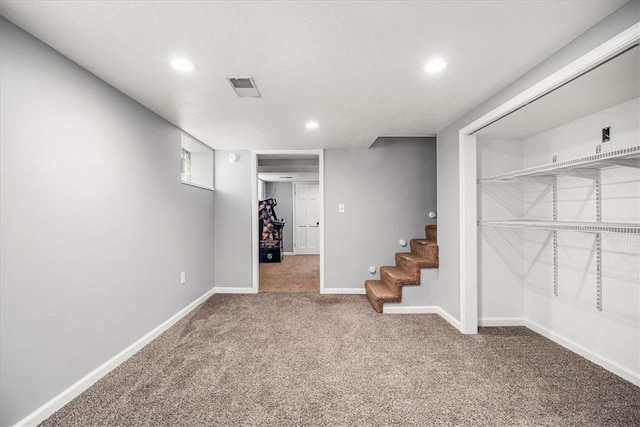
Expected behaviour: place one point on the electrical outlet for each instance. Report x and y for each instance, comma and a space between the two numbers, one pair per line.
183, 277
606, 134
598, 149
554, 159
341, 208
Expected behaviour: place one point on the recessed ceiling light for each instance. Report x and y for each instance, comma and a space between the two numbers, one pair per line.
182, 64
312, 125
435, 65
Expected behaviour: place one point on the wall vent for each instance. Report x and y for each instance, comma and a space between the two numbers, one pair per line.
244, 87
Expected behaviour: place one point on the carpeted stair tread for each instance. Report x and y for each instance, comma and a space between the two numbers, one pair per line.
395, 277
379, 293
424, 242
424, 254
407, 260
425, 248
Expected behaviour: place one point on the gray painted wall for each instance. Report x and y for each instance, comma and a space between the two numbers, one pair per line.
283, 193
388, 191
95, 224
233, 224
448, 171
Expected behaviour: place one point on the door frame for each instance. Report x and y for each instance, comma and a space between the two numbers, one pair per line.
467, 160
255, 247
294, 227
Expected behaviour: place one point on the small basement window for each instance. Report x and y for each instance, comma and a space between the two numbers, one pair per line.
196, 163
186, 165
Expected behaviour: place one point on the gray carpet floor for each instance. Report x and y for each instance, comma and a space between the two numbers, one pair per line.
308, 359
296, 273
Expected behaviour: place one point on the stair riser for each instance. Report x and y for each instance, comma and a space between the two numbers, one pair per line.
425, 250
397, 284
406, 264
411, 265
431, 232
376, 300
392, 284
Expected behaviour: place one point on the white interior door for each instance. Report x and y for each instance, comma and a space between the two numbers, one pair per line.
307, 219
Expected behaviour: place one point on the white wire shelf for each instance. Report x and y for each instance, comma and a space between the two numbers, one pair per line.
627, 157
577, 226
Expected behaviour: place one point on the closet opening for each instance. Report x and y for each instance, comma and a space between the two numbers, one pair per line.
552, 197
550, 110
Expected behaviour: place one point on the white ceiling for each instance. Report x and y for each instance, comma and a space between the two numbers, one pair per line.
609, 84
355, 67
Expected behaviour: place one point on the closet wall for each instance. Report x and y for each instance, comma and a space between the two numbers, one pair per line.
614, 332
500, 251
516, 265
516, 270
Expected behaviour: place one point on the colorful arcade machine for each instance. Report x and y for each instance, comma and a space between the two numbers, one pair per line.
270, 229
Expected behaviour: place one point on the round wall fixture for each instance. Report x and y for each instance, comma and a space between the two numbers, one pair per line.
233, 158
372, 270
402, 243
432, 215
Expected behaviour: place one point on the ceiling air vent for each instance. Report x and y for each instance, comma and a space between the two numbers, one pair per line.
245, 87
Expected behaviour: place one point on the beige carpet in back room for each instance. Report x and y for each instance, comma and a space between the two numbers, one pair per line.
282, 359
296, 273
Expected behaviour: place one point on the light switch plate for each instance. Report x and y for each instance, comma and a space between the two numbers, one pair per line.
341, 208
183, 277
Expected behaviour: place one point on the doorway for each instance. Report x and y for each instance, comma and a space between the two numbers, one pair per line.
292, 181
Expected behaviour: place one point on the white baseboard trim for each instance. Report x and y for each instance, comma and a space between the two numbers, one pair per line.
288, 253
417, 309
352, 291
423, 309
49, 408
501, 321
449, 318
609, 365
234, 290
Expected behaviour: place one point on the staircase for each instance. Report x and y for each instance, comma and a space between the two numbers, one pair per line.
424, 254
